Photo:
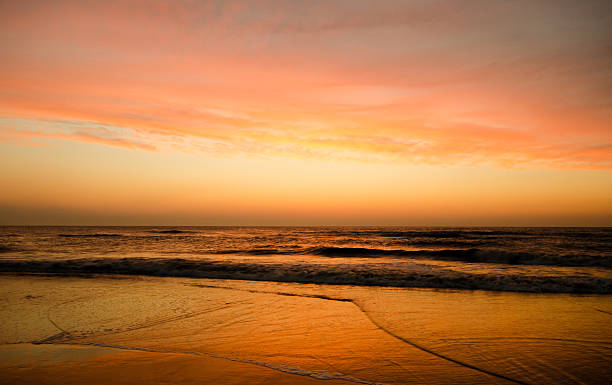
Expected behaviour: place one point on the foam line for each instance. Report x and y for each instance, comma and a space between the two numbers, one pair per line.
531, 339
388, 332
439, 355
371, 274
318, 374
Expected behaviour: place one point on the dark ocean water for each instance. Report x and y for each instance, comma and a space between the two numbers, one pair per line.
573, 260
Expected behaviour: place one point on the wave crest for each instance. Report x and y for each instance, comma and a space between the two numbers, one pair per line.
358, 275
469, 255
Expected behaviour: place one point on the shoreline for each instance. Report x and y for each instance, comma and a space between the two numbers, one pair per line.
301, 331
380, 273
111, 276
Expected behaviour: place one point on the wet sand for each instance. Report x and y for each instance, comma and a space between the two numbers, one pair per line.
100, 329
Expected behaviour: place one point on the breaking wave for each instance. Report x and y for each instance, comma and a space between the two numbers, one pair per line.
474, 255
358, 274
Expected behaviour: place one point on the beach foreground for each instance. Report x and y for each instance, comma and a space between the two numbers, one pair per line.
94, 329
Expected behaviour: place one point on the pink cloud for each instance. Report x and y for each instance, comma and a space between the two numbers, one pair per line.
93, 135
481, 83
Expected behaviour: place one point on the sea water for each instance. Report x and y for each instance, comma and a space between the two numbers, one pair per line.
345, 305
564, 260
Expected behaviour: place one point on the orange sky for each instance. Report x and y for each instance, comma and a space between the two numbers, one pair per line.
318, 112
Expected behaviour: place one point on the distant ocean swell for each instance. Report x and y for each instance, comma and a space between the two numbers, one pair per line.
470, 255
361, 275
102, 235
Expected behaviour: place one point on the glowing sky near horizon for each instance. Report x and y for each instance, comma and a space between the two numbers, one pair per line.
306, 112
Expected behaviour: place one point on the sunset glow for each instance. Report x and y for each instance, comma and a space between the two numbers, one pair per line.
330, 112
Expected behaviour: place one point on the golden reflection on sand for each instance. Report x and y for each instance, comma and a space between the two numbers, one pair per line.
169, 330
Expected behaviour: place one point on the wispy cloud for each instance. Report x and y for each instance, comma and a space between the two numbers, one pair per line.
416, 82
29, 132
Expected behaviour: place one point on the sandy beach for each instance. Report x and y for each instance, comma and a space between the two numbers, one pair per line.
77, 330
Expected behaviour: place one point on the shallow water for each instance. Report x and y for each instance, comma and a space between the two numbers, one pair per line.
301, 331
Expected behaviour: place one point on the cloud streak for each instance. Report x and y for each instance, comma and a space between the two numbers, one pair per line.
508, 83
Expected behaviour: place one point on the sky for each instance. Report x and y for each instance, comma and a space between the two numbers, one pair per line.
416, 112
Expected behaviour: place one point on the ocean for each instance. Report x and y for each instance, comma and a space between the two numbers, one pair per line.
563, 260
301, 305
